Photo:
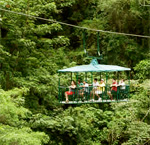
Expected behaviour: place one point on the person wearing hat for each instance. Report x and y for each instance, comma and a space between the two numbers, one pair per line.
100, 89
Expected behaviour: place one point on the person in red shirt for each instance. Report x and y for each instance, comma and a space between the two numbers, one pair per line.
113, 89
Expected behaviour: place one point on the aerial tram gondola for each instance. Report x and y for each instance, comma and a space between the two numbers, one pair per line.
94, 68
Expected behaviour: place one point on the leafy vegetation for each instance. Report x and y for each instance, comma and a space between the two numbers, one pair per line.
31, 52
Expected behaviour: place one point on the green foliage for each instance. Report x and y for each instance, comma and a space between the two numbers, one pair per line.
31, 52
10, 135
13, 125
74, 125
11, 108
143, 70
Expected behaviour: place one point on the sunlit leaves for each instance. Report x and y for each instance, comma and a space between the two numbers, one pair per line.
143, 69
11, 135
47, 29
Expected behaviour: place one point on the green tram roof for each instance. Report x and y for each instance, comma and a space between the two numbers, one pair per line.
95, 67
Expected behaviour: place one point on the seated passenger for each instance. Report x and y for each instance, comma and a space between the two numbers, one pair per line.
113, 89
100, 89
95, 85
122, 85
79, 86
85, 88
71, 90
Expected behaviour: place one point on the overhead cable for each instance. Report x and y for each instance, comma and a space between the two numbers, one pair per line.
71, 25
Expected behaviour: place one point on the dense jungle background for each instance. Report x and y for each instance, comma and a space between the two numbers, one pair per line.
31, 52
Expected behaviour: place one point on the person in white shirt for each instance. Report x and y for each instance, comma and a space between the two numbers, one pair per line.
85, 85
95, 85
85, 89
122, 85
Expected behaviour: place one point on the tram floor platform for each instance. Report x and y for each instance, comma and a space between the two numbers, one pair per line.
95, 101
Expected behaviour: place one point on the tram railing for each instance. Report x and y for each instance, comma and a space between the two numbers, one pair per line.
85, 94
